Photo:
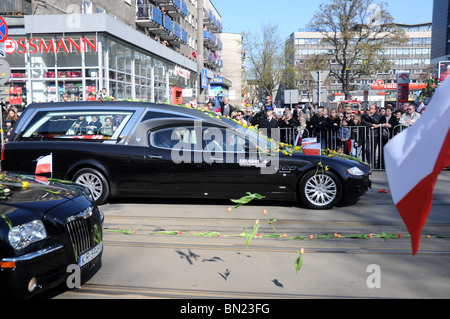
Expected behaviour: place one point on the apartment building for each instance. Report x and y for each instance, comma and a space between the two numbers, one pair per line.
145, 50
413, 56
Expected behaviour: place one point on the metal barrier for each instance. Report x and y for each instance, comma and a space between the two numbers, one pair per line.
369, 147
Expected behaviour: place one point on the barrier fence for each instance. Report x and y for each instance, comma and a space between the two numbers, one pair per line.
363, 142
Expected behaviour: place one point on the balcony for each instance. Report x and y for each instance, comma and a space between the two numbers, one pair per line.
212, 59
211, 41
210, 20
149, 16
168, 26
174, 8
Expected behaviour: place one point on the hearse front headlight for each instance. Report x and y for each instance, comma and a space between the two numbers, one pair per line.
355, 171
23, 235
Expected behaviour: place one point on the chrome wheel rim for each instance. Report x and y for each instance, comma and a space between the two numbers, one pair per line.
92, 182
320, 190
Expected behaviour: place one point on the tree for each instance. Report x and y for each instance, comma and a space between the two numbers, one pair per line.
266, 60
356, 33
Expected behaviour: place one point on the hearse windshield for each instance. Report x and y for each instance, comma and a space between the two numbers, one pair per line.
81, 125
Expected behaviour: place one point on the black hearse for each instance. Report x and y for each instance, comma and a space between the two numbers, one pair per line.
157, 150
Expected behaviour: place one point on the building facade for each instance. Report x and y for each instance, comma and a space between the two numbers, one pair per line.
413, 56
440, 45
135, 49
233, 63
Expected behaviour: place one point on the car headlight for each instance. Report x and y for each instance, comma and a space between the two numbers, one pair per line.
21, 236
355, 171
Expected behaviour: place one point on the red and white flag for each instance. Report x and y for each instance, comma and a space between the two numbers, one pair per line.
310, 146
309, 140
414, 159
44, 164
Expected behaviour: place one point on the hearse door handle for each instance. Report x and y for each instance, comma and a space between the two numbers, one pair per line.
152, 157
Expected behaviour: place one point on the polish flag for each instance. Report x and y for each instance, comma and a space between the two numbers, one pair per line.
309, 140
44, 164
414, 159
311, 149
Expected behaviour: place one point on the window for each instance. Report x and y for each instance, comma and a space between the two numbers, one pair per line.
178, 138
80, 125
213, 140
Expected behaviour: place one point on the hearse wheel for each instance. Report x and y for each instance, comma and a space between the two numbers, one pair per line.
95, 181
320, 190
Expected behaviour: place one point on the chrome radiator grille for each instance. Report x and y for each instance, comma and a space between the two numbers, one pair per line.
81, 235
83, 231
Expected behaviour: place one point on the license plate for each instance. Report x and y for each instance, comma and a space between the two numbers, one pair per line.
90, 255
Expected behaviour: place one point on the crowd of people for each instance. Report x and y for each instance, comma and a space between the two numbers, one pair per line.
359, 134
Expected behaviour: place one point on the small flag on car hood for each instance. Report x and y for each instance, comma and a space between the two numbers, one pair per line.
44, 164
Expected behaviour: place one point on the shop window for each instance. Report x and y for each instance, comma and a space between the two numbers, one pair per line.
91, 58
42, 60
71, 59
112, 54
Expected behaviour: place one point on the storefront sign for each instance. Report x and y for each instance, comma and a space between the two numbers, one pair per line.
221, 80
40, 45
182, 72
380, 85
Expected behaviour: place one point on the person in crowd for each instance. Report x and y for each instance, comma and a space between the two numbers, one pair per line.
340, 149
410, 116
12, 115
349, 115
209, 106
102, 94
302, 130
357, 136
319, 124
140, 5
248, 117
371, 119
343, 135
65, 97
268, 103
382, 111
7, 128
333, 124
258, 116
268, 122
218, 100
398, 128
226, 108
287, 123
388, 122
239, 116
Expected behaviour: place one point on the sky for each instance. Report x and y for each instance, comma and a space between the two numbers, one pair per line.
290, 15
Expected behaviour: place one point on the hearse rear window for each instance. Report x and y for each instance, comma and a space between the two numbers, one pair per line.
81, 125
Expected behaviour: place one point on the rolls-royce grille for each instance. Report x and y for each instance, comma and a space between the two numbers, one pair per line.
81, 235
83, 231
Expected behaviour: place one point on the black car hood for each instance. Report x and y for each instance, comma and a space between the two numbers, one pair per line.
22, 195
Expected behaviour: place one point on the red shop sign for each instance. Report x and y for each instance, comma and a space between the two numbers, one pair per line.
39, 45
